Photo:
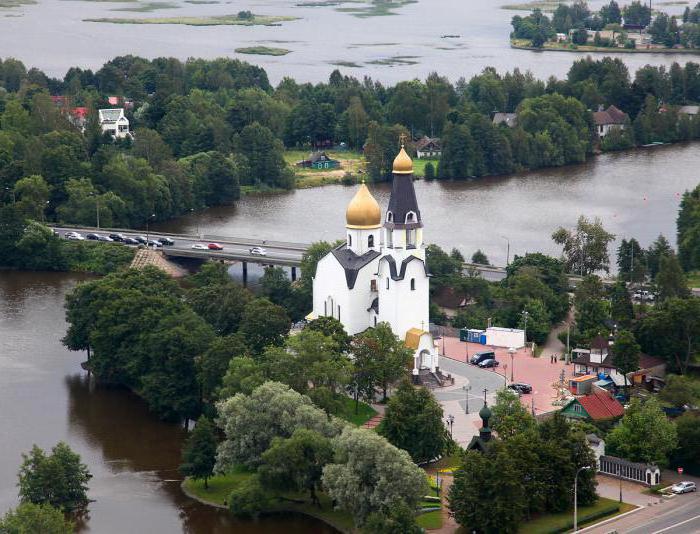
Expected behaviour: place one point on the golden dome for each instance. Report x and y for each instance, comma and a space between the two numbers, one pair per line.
363, 211
403, 163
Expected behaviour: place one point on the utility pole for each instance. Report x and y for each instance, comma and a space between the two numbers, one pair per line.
585, 467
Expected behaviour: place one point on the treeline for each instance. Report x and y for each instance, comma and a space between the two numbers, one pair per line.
202, 130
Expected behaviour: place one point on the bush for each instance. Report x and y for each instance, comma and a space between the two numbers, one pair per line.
29, 518
630, 44
249, 499
348, 179
603, 512
429, 172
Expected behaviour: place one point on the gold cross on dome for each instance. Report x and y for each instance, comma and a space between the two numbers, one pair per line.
402, 139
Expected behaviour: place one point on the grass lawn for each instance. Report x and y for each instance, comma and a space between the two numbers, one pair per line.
694, 278
551, 522
419, 166
430, 520
365, 412
220, 486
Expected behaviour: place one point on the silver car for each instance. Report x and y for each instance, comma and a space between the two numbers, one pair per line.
684, 487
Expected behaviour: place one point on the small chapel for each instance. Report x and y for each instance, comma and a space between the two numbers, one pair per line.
379, 273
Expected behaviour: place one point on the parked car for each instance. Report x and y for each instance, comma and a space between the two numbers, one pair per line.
200, 246
520, 387
117, 237
684, 487
215, 246
74, 236
485, 364
258, 251
105, 238
166, 241
481, 356
130, 241
92, 237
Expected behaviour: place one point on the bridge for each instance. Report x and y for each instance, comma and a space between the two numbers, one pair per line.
237, 249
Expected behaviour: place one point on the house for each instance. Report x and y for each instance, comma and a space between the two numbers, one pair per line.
582, 385
689, 110
120, 101
78, 117
319, 160
598, 361
509, 119
114, 122
598, 405
609, 119
60, 101
428, 147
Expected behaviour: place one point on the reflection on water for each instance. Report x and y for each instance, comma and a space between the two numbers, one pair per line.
635, 193
45, 397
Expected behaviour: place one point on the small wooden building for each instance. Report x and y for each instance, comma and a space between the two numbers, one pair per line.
319, 160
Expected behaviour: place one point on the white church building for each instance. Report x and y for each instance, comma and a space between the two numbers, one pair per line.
379, 274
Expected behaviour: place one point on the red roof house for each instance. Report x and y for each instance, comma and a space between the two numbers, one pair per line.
599, 405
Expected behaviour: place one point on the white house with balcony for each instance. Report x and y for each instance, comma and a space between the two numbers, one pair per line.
114, 122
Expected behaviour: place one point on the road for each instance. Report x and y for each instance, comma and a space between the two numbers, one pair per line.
234, 249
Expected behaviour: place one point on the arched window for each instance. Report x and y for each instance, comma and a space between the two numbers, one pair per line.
389, 216
409, 217
349, 240
370, 241
413, 284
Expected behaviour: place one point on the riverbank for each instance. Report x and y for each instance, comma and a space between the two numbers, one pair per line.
524, 44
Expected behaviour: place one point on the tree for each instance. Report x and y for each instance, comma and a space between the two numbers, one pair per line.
330, 326
33, 194
199, 453
680, 391
413, 422
296, 463
400, 519
221, 303
371, 475
621, 310
480, 258
656, 250
631, 261
625, 353
30, 518
586, 248
58, 479
213, 364
637, 14
386, 353
264, 323
249, 499
644, 434
492, 474
509, 416
686, 455
688, 225
243, 375
429, 171
670, 280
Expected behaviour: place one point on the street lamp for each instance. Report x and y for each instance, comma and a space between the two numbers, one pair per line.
525, 315
511, 351
507, 250
148, 220
450, 422
467, 388
584, 468
12, 192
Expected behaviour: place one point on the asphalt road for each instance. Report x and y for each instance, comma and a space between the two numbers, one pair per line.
233, 250
478, 380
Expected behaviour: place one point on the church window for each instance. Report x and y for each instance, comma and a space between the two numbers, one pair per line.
413, 284
387, 283
339, 312
409, 217
325, 308
389, 216
410, 238
375, 320
372, 285
349, 240
370, 241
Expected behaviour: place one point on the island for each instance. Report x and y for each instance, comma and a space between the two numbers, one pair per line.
242, 18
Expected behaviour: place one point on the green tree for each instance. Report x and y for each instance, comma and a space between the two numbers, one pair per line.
399, 519
480, 258
30, 518
686, 455
656, 250
386, 352
263, 155
509, 416
330, 326
631, 260
249, 499
621, 310
243, 375
670, 280
585, 248
264, 323
296, 463
688, 225
644, 434
681, 391
413, 422
213, 364
33, 194
58, 479
199, 452
625, 353
371, 475
429, 171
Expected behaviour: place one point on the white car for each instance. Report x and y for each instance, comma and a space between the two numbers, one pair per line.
684, 487
258, 251
200, 246
74, 236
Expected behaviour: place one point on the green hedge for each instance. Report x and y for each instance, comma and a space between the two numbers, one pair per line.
603, 512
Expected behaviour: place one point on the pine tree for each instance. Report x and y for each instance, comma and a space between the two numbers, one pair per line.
199, 453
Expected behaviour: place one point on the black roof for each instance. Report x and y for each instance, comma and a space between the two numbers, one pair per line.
399, 274
402, 201
351, 262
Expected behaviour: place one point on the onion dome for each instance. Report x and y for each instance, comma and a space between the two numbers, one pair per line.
485, 414
363, 211
403, 163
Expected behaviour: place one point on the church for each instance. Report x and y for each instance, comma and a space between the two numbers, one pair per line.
379, 273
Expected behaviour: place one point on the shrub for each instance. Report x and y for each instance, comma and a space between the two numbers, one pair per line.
249, 499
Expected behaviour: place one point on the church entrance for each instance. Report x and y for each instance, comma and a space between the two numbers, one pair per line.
425, 360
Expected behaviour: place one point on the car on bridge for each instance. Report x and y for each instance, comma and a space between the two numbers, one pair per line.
130, 241
117, 237
215, 246
92, 237
200, 246
166, 241
74, 236
154, 243
141, 239
258, 251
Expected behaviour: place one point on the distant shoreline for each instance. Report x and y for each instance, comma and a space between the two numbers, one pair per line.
584, 49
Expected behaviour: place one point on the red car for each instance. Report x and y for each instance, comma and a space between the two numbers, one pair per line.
214, 246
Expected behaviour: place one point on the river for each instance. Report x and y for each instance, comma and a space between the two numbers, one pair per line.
635, 194
409, 42
45, 397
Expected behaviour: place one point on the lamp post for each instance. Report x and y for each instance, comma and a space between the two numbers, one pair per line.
583, 468
467, 388
525, 314
450, 422
619, 475
147, 229
507, 250
511, 351
12, 192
